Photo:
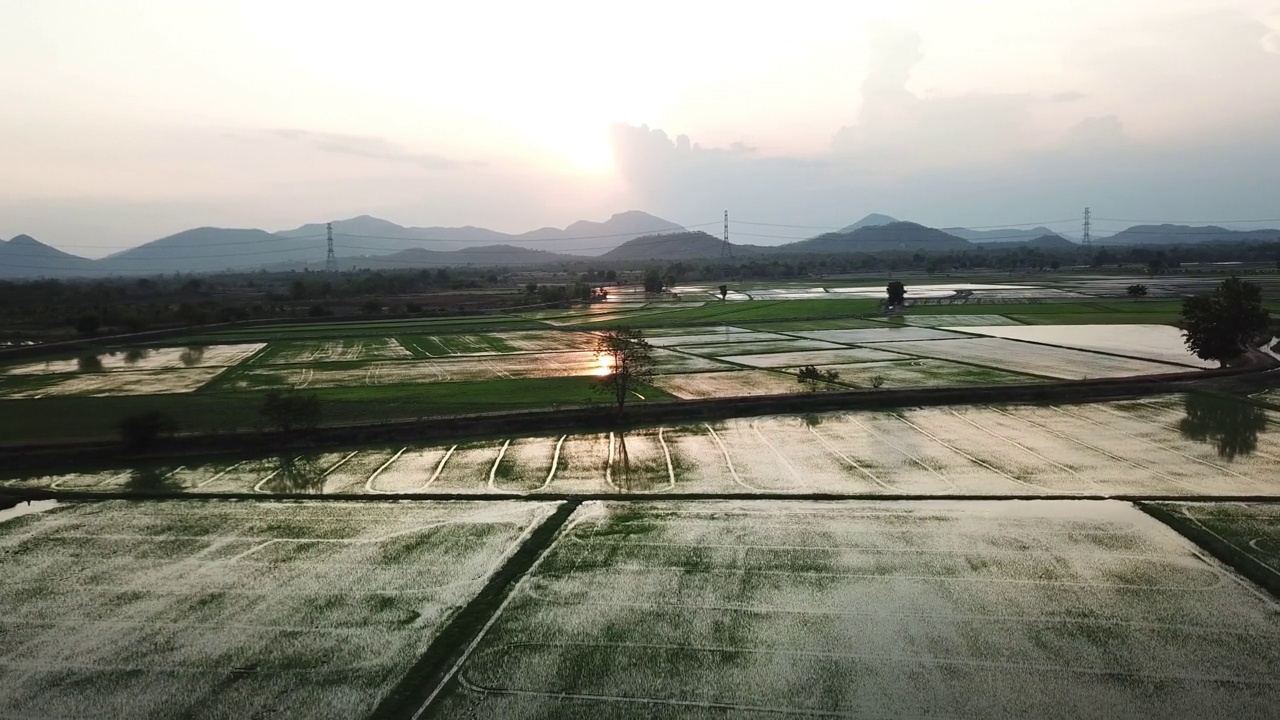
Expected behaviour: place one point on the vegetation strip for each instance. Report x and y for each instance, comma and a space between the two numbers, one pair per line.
1209, 541
483, 425
26, 495
446, 650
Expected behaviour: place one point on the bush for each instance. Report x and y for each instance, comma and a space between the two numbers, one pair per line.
140, 432
290, 410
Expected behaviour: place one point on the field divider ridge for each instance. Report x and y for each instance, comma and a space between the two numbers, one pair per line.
410, 696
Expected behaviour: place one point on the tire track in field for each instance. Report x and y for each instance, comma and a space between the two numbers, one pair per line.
834, 451
1094, 448
795, 474
666, 452
904, 453
1146, 441
966, 455
1022, 447
493, 471
608, 465
555, 463
368, 484
219, 475
728, 460
57, 484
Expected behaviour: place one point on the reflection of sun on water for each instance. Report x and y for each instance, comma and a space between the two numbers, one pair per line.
603, 366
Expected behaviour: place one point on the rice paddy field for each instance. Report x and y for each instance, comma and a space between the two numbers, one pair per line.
234, 610
373, 370
1103, 559
938, 609
1179, 445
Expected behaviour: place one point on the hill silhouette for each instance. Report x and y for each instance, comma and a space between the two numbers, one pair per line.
901, 236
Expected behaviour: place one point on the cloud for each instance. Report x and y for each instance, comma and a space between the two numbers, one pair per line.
369, 147
900, 132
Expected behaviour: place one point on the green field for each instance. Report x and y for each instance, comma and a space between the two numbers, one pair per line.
76, 417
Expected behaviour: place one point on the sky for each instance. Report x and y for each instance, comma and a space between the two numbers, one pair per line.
127, 120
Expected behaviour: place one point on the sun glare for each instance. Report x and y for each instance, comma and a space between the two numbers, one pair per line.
603, 366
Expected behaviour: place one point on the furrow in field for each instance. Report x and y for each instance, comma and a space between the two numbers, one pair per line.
1149, 479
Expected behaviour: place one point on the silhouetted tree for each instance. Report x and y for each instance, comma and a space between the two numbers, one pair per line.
1137, 291
140, 432
897, 293
811, 377
652, 280
630, 362
1220, 325
290, 410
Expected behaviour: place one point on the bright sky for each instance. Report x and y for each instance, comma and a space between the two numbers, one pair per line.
126, 120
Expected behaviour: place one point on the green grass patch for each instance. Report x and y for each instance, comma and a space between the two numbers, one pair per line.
75, 417
361, 328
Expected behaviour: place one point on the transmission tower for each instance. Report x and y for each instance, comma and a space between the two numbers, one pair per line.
726, 250
331, 260
1085, 239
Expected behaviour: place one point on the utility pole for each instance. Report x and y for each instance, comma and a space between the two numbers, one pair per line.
331, 260
1085, 239
726, 250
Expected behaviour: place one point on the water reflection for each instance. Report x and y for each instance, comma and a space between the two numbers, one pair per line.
294, 474
1230, 424
192, 355
629, 474
151, 480
89, 363
133, 356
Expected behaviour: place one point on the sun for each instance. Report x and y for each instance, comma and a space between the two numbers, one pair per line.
575, 146
603, 366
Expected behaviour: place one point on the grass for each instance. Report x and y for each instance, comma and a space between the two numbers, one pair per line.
1226, 538
66, 418
357, 328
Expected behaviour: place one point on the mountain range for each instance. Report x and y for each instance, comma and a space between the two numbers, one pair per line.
369, 242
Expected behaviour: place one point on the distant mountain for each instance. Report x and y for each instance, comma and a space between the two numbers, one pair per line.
871, 220
680, 246
24, 256
372, 235
1010, 235
507, 255
210, 249
1184, 235
1051, 241
592, 238
213, 249
902, 236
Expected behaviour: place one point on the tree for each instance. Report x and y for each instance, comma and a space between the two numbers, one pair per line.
811, 377
88, 324
139, 432
290, 410
1137, 291
724, 291
628, 360
652, 281
1220, 325
897, 293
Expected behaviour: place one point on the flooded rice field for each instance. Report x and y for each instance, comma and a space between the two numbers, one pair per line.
1155, 342
1174, 445
872, 609
196, 356
234, 610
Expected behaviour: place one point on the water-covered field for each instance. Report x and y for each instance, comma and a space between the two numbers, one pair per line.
864, 609
1174, 445
234, 610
